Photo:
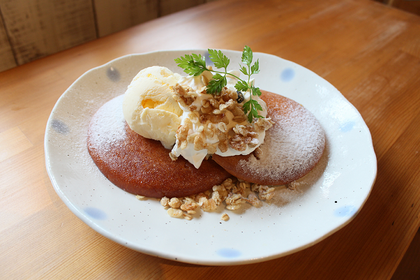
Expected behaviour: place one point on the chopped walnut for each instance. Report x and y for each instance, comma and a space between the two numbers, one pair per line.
234, 201
217, 112
230, 105
194, 117
263, 124
199, 142
207, 110
225, 217
253, 200
242, 129
223, 146
222, 127
189, 205
238, 112
228, 184
239, 119
207, 205
237, 142
265, 192
182, 132
191, 137
230, 194
184, 95
214, 103
213, 118
211, 149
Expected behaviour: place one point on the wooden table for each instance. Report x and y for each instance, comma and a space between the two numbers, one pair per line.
370, 52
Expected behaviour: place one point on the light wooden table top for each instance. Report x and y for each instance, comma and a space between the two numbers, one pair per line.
370, 52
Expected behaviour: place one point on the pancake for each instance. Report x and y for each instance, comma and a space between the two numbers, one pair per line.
143, 166
291, 148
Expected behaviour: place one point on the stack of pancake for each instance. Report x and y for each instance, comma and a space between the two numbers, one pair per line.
291, 149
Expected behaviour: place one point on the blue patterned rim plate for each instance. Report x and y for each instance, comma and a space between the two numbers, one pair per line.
324, 201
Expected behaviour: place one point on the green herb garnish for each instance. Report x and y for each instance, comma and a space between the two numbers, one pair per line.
195, 65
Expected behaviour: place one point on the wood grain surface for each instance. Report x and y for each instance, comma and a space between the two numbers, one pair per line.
368, 51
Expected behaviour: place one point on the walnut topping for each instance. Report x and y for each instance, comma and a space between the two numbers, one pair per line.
225, 217
184, 95
263, 124
219, 118
231, 195
199, 143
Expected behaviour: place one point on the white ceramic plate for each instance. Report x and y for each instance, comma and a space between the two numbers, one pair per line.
328, 198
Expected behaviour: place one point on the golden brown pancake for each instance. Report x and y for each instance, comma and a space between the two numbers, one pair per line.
143, 166
291, 148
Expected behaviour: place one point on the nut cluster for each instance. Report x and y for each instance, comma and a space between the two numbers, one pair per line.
213, 120
232, 193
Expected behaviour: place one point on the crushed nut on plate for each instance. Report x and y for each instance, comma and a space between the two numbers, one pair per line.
230, 195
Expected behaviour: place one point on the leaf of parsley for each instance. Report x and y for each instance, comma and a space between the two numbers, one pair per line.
247, 55
255, 69
192, 64
256, 91
241, 86
216, 85
219, 59
243, 70
247, 107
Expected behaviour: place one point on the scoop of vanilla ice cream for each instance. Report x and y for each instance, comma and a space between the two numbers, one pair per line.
149, 107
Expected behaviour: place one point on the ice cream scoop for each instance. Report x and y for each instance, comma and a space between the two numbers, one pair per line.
149, 107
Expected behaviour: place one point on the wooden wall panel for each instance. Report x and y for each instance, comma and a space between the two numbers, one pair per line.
113, 16
37, 28
172, 6
7, 59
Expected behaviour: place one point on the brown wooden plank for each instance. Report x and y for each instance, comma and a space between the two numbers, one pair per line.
38, 28
409, 267
7, 59
172, 6
113, 16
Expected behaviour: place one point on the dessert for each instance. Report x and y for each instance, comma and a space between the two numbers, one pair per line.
204, 140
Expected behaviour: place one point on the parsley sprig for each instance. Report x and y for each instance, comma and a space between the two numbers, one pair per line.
194, 65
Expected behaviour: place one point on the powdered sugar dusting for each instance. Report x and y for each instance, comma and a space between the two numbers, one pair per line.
109, 120
292, 146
